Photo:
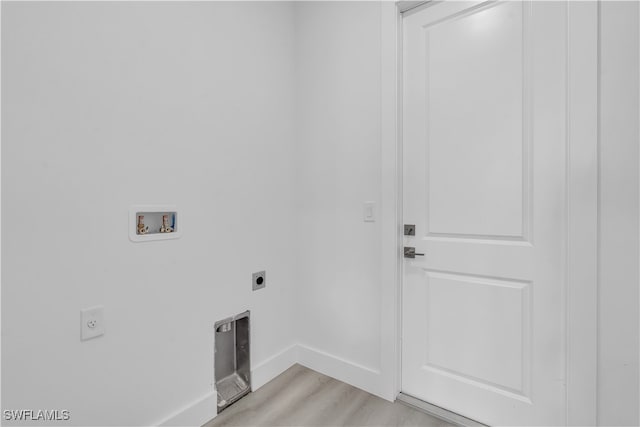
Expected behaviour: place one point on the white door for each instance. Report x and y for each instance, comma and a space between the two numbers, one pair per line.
484, 129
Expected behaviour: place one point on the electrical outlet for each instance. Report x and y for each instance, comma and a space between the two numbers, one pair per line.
259, 280
91, 322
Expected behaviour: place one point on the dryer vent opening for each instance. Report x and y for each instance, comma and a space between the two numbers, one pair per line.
232, 359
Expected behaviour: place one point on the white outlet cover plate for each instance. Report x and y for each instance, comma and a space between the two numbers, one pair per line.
91, 322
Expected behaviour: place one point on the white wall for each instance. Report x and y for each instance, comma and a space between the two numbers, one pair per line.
338, 135
618, 393
109, 104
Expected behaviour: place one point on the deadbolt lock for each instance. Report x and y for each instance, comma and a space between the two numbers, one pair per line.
409, 230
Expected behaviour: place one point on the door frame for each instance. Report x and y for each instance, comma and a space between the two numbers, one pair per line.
581, 204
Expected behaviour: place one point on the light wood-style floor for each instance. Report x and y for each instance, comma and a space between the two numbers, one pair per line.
302, 397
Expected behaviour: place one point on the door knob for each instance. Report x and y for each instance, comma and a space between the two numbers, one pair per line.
410, 252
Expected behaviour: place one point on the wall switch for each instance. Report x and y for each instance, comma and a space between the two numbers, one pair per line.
259, 280
369, 211
91, 322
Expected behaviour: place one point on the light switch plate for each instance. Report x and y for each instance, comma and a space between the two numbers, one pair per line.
91, 322
369, 211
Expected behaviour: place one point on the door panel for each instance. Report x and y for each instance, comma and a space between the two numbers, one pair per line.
484, 116
490, 326
475, 139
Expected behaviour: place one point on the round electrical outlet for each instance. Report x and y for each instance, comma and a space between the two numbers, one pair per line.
259, 280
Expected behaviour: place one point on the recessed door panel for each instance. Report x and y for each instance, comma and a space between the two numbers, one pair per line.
486, 337
475, 102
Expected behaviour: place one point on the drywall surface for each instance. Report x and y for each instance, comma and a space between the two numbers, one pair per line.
339, 167
618, 281
109, 104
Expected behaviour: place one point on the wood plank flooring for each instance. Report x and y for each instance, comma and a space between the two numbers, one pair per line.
302, 397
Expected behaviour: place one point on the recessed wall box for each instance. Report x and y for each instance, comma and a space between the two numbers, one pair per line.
153, 222
232, 359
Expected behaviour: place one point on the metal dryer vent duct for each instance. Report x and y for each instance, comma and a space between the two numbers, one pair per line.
232, 359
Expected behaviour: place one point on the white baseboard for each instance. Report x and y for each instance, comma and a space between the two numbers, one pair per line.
195, 414
362, 377
205, 409
273, 366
